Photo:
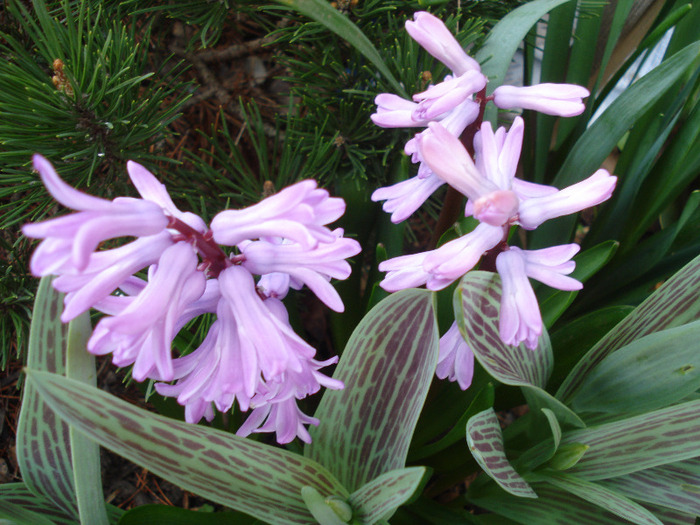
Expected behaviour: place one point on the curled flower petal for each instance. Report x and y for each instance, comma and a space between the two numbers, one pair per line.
395, 112
143, 332
449, 160
447, 95
552, 265
405, 197
564, 100
404, 272
433, 36
520, 319
455, 358
298, 212
589, 192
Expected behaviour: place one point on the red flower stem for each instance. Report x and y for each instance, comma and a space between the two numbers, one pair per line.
214, 260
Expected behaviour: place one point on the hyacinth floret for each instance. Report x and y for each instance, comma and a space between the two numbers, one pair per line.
459, 149
251, 354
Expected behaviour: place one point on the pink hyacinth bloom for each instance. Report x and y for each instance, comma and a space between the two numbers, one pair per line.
432, 35
404, 198
453, 259
69, 241
520, 314
106, 272
313, 267
449, 160
152, 190
589, 192
520, 318
447, 95
143, 332
563, 100
298, 212
404, 272
395, 112
455, 358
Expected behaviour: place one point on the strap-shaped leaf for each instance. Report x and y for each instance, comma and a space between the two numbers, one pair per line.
43, 440
477, 307
258, 479
382, 496
676, 485
20, 505
553, 507
485, 442
674, 304
322, 12
605, 498
649, 373
503, 41
387, 367
477, 303
629, 445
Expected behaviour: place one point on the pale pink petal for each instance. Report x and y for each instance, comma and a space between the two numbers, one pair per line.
564, 100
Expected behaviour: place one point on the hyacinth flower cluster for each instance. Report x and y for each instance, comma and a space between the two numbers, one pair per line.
459, 149
251, 355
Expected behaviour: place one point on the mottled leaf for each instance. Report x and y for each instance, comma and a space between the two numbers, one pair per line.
87, 472
605, 498
319, 507
387, 367
554, 506
245, 475
19, 504
382, 496
674, 304
629, 445
485, 442
676, 485
165, 514
649, 373
477, 305
43, 449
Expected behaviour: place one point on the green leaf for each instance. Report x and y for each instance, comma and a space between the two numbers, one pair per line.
483, 400
87, 474
676, 485
477, 306
649, 373
553, 507
485, 442
554, 303
674, 304
387, 367
43, 450
604, 497
629, 445
503, 40
320, 508
20, 505
567, 456
176, 516
257, 479
382, 496
600, 138
322, 12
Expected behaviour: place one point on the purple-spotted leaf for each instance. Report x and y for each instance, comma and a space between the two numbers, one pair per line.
43, 440
382, 496
477, 303
629, 445
604, 497
676, 485
676, 303
245, 475
553, 507
485, 442
19, 505
387, 367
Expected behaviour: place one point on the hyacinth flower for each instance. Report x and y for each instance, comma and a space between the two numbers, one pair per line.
251, 354
484, 172
458, 104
